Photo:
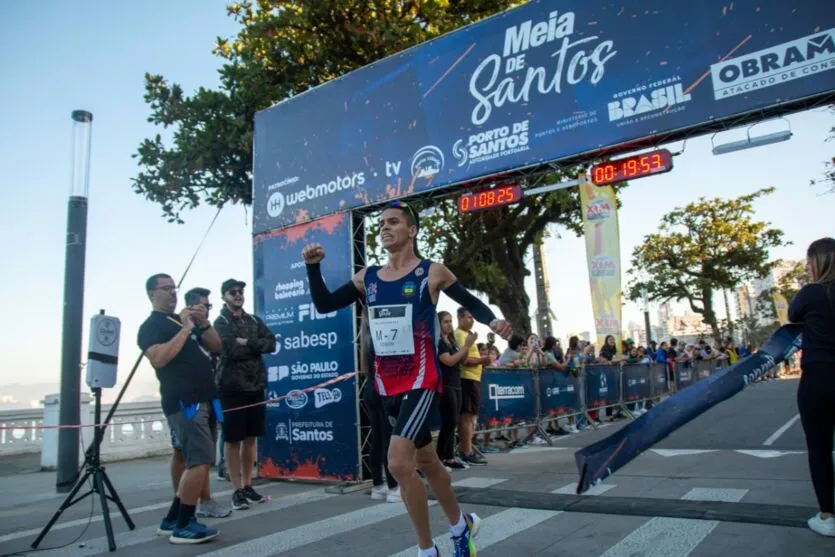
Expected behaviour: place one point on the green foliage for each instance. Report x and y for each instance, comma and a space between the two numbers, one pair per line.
283, 48
705, 247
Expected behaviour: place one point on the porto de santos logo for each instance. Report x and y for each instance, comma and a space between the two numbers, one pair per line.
459, 151
275, 204
427, 162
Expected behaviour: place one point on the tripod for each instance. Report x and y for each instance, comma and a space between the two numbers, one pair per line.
93, 469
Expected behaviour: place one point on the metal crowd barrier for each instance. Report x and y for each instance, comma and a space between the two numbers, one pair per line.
520, 398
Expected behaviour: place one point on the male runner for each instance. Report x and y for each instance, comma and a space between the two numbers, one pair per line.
401, 297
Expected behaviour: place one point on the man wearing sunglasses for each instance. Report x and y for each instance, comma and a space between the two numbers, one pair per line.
241, 380
402, 296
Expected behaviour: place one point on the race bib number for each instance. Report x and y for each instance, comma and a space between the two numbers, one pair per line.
391, 330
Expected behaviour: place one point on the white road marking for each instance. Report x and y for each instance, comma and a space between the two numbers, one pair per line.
673, 537
571, 489
148, 533
288, 540
681, 452
767, 454
776, 435
115, 515
477, 482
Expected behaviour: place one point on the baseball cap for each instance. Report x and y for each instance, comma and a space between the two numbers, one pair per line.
229, 284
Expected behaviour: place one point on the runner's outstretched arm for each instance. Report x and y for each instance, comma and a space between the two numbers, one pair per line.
481, 312
325, 300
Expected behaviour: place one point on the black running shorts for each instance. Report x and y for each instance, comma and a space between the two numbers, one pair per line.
409, 415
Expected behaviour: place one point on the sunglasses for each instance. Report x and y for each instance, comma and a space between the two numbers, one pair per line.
408, 208
235, 291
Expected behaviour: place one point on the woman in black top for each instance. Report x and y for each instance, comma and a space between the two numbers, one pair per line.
814, 306
450, 356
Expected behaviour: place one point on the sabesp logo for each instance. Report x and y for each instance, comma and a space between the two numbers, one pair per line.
303, 340
278, 200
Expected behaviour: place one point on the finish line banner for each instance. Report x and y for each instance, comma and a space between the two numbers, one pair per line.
547, 81
602, 459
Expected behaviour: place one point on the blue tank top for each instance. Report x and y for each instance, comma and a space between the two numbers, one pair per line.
404, 330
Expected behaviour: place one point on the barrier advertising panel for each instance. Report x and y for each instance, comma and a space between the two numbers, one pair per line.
507, 396
549, 80
660, 379
601, 385
636, 382
312, 422
559, 393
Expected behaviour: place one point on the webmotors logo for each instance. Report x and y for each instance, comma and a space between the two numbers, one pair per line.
505, 392
323, 397
798, 59
296, 399
278, 200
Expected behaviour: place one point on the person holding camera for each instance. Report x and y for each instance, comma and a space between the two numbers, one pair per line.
179, 347
242, 380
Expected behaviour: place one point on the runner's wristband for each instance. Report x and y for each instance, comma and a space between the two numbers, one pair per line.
325, 300
479, 309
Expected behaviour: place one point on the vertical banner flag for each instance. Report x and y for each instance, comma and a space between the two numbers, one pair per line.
312, 418
781, 306
600, 220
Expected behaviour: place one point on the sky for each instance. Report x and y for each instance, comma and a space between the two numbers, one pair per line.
86, 55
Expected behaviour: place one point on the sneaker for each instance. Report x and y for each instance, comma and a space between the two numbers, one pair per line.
393, 495
239, 501
211, 509
823, 527
166, 527
473, 459
463, 545
193, 532
253, 496
378, 492
456, 464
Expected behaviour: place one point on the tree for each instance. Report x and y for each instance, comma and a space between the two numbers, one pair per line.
287, 47
707, 246
284, 48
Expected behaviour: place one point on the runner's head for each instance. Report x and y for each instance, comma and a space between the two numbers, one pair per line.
399, 226
820, 260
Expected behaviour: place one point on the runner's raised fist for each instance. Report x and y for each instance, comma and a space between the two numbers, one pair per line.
313, 253
502, 328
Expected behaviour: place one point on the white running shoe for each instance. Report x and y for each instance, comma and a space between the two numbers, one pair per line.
379, 492
821, 526
393, 495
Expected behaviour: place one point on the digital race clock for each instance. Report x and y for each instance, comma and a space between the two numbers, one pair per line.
629, 168
499, 196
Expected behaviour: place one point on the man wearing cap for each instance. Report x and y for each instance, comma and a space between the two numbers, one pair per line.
241, 380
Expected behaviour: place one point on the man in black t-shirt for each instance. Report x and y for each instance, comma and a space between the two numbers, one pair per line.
179, 347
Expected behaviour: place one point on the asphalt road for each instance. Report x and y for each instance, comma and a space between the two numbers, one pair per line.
725, 484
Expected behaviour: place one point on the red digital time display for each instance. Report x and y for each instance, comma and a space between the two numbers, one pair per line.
629, 168
489, 198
